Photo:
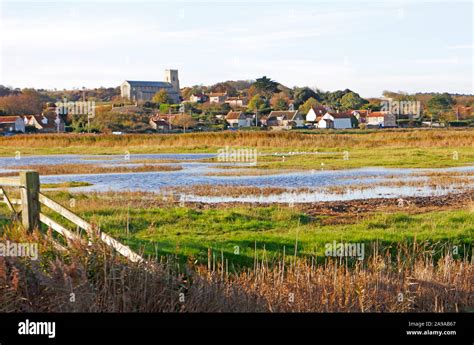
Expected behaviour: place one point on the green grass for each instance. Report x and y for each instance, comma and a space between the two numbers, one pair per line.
332, 159
391, 148
188, 233
265, 231
67, 184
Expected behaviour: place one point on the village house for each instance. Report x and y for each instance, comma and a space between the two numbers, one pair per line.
278, 120
380, 119
325, 121
237, 102
45, 123
237, 119
463, 112
159, 124
315, 112
361, 115
342, 120
10, 124
217, 97
198, 98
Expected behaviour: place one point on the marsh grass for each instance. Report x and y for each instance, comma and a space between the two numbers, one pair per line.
68, 169
412, 280
160, 227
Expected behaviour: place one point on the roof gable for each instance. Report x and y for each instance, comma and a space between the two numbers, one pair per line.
139, 83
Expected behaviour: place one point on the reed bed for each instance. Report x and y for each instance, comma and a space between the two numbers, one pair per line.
457, 182
72, 169
411, 281
310, 141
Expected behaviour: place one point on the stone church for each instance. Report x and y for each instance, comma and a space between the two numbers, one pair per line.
145, 90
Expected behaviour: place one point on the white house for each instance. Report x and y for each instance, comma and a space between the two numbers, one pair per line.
342, 120
326, 121
315, 112
284, 119
12, 124
235, 102
198, 98
237, 119
217, 97
159, 124
336, 120
381, 119
45, 123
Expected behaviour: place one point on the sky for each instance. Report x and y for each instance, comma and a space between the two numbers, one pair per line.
368, 47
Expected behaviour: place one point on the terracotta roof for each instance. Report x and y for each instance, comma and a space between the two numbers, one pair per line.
217, 94
464, 110
376, 114
233, 115
319, 109
319, 118
9, 119
362, 112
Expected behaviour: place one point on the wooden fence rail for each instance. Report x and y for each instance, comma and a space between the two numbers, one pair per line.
31, 215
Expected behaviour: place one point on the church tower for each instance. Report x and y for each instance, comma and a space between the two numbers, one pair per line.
171, 76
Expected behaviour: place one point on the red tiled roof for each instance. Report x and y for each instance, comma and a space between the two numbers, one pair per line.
319, 118
319, 109
376, 114
9, 119
233, 115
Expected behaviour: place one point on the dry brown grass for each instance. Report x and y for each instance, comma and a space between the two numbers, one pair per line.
103, 282
68, 169
415, 138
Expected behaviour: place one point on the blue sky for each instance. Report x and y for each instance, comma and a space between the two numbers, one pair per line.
365, 46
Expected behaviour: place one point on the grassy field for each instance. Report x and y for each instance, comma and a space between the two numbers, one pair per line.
280, 251
391, 148
249, 257
104, 282
242, 233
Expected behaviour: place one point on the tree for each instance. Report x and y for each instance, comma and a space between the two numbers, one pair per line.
184, 121
333, 99
306, 106
27, 102
279, 102
352, 100
257, 102
225, 87
440, 102
161, 97
440, 106
371, 106
303, 94
266, 87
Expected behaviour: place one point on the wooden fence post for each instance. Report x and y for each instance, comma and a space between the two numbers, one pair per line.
30, 206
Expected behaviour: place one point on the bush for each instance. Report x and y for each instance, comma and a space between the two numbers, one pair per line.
465, 123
